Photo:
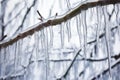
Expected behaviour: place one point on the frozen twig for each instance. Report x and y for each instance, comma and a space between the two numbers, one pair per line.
41, 18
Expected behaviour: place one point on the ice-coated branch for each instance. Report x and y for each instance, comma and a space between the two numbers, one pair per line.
59, 19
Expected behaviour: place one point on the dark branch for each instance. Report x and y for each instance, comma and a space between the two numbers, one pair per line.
24, 18
41, 18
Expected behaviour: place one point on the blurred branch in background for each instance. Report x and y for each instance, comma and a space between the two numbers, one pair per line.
15, 16
2, 15
23, 20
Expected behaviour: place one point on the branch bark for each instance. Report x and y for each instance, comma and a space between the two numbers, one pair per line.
58, 20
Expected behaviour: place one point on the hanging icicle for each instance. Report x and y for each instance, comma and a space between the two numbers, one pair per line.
84, 24
107, 39
20, 52
15, 57
36, 55
42, 40
51, 35
45, 46
18, 55
118, 17
36, 46
3, 62
84, 32
46, 54
68, 26
98, 10
62, 34
78, 22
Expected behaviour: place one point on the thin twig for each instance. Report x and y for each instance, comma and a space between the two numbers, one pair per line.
41, 18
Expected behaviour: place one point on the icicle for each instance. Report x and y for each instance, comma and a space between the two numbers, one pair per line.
36, 46
46, 54
68, 22
107, 40
42, 40
85, 37
118, 18
51, 36
84, 32
78, 22
98, 9
7, 59
91, 11
19, 53
68, 29
15, 57
36, 70
3, 62
62, 35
